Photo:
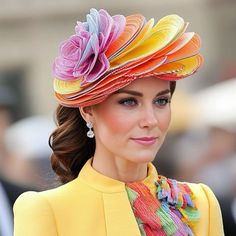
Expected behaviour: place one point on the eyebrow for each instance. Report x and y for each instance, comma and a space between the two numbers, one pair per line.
135, 93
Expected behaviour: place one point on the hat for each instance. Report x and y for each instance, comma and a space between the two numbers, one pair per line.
107, 53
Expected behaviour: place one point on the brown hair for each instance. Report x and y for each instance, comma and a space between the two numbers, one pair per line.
70, 144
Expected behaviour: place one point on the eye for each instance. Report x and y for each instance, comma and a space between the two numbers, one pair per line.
162, 101
128, 102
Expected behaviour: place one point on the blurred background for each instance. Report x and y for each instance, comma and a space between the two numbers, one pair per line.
201, 145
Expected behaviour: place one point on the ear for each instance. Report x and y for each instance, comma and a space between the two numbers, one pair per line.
86, 113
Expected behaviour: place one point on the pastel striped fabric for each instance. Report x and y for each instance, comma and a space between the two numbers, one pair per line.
171, 211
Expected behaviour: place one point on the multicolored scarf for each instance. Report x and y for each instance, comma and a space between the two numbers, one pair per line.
170, 211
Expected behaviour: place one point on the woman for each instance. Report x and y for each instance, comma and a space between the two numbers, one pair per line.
114, 82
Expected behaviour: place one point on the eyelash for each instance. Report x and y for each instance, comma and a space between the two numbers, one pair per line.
128, 101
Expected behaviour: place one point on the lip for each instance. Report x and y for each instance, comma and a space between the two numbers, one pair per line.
145, 140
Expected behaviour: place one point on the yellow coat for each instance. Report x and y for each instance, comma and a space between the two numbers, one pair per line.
94, 204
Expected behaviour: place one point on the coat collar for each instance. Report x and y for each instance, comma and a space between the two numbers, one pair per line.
106, 184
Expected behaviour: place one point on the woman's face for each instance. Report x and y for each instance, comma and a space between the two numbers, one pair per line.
132, 123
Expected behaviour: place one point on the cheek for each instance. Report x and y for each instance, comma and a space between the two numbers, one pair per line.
164, 120
114, 122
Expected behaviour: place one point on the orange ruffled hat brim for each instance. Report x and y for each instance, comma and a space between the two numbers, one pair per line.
164, 51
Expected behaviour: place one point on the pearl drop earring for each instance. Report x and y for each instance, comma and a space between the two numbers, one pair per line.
90, 133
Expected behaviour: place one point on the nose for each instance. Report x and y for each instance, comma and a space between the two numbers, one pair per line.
149, 117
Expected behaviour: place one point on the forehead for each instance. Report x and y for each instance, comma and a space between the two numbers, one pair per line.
148, 84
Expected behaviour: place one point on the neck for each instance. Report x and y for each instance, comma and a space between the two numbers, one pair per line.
119, 169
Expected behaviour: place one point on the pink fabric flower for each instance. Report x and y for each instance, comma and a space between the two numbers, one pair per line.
83, 54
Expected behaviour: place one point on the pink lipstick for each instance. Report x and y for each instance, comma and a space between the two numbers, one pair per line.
145, 140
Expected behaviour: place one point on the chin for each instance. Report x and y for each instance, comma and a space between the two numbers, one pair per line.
143, 157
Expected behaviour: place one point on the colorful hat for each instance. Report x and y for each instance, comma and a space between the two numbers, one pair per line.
107, 53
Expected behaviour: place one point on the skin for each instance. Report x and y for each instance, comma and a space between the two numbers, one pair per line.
141, 109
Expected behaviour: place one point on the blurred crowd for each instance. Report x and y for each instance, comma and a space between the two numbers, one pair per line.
200, 147
24, 157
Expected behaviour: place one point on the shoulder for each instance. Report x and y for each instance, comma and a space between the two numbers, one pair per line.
29, 209
33, 203
209, 209
200, 189
36, 213
203, 193
38, 199
50, 202
30, 199
204, 197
